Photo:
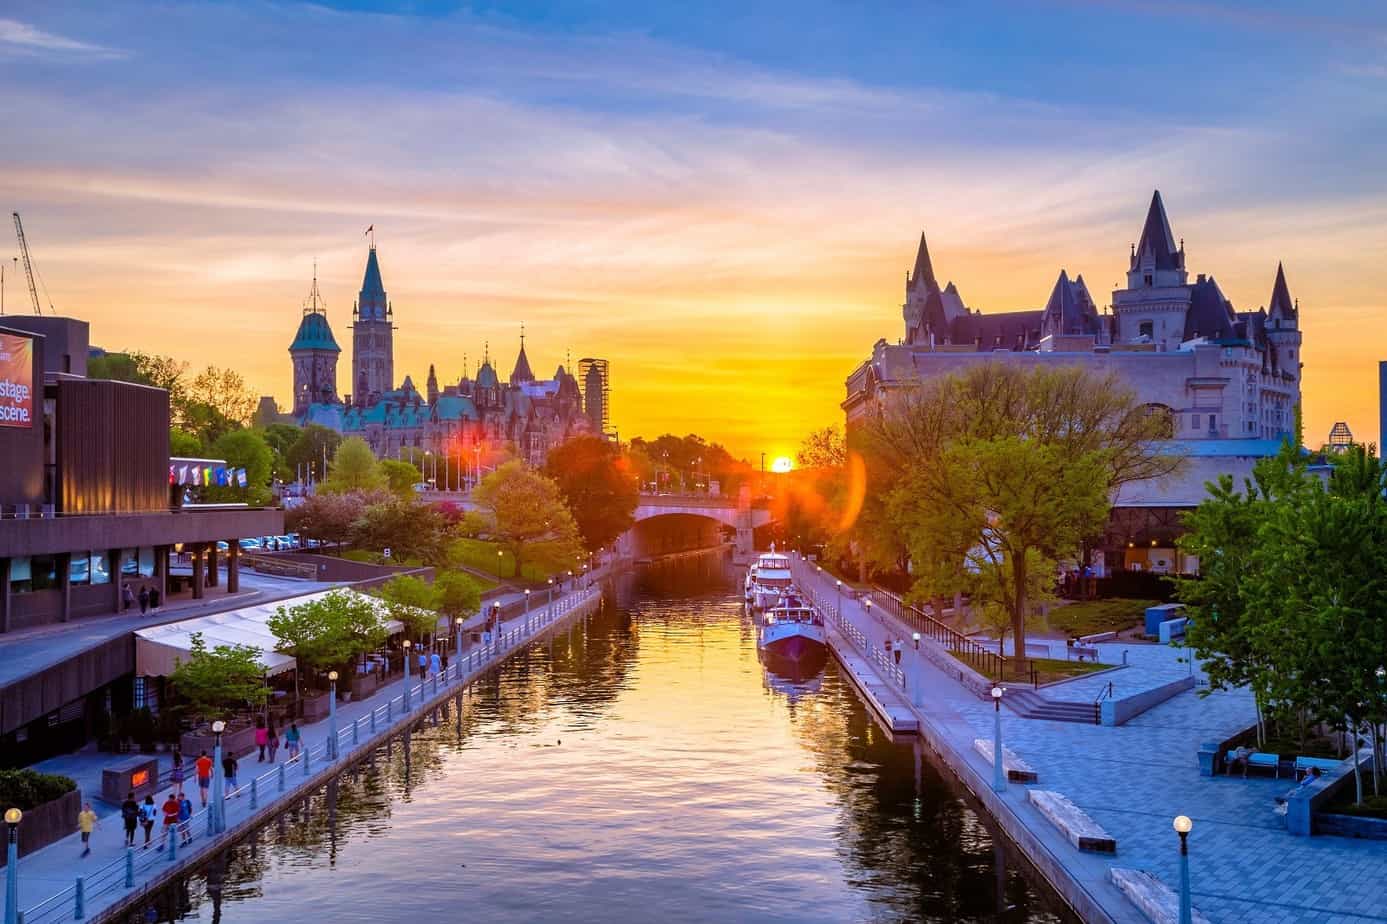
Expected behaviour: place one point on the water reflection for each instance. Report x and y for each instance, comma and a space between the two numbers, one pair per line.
642, 766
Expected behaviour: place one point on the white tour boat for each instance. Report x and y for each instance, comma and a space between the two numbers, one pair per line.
767, 579
793, 630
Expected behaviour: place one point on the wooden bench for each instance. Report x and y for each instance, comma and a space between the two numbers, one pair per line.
1305, 764
1153, 898
1017, 770
1082, 831
1255, 759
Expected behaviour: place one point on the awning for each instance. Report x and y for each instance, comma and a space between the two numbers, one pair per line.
158, 649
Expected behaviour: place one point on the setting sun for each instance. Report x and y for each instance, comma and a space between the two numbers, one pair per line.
782, 464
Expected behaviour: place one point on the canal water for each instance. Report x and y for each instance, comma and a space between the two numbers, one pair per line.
642, 766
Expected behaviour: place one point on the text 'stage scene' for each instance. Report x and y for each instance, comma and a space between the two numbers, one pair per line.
727, 462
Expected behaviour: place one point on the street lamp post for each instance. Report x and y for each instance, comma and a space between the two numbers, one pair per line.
405, 645
12, 817
499, 556
332, 715
458, 623
217, 817
527, 601
551, 590
915, 636
1182, 825
999, 775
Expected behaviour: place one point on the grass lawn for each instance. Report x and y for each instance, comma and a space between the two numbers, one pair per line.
1086, 617
1048, 670
482, 555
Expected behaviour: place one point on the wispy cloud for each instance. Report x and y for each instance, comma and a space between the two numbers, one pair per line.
21, 38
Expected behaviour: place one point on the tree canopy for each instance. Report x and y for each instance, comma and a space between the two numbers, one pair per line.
414, 602
326, 517
245, 449
307, 453
400, 477
328, 631
525, 508
597, 485
354, 468
219, 680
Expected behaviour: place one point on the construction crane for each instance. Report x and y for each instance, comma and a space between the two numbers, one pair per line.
28, 265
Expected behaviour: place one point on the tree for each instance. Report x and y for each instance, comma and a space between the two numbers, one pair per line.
218, 680
526, 508
822, 449
224, 392
328, 631
458, 595
411, 529
1005, 470
310, 452
596, 485
245, 449
400, 477
414, 602
325, 517
184, 444
354, 468
281, 437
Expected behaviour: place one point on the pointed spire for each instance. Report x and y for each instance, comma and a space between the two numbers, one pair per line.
924, 270
1157, 241
1281, 306
372, 304
521, 372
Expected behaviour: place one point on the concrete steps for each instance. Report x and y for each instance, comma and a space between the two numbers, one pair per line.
1031, 705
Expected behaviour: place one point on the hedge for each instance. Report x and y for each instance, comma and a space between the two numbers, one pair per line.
28, 789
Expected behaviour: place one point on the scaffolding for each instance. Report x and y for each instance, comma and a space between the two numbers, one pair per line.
594, 380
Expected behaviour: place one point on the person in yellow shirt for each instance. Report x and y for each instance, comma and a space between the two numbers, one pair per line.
86, 823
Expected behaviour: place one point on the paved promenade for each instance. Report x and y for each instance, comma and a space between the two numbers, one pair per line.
112, 877
1134, 779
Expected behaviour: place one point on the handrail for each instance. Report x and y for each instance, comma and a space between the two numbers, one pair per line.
992, 664
70, 902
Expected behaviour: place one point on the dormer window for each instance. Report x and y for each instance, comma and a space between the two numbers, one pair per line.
1148, 279
1146, 329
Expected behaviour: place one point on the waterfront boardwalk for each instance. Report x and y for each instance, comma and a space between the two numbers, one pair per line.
114, 879
1133, 780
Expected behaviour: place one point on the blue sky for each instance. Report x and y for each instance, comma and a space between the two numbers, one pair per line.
677, 185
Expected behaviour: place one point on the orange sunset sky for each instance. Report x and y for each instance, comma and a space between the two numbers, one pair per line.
724, 206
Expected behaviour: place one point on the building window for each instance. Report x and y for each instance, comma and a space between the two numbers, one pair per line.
79, 568
1147, 277
1146, 329
100, 569
1213, 422
1194, 422
39, 572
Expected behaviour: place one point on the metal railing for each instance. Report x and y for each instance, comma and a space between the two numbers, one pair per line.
886, 664
123, 874
991, 664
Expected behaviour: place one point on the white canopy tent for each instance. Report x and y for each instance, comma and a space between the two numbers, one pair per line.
158, 649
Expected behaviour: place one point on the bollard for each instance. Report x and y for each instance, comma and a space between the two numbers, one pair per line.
79, 900
389, 708
435, 685
305, 762
130, 867
173, 842
281, 778
356, 733
373, 721
254, 794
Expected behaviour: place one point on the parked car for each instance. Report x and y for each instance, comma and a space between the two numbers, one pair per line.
222, 546
249, 545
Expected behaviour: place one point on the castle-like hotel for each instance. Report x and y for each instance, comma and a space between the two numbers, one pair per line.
523, 415
1226, 381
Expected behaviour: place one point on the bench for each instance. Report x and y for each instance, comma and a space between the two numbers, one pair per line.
1256, 759
1096, 637
1082, 651
1153, 898
1305, 764
1017, 770
1171, 629
1081, 831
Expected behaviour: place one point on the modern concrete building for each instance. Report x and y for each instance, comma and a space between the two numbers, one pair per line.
1226, 381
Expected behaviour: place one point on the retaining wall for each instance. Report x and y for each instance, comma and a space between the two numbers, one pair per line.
1120, 711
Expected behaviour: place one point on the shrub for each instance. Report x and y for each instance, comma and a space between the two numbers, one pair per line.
27, 789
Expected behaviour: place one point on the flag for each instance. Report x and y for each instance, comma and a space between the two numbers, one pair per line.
241, 477
173, 476
207, 475
196, 476
368, 230
221, 476
182, 474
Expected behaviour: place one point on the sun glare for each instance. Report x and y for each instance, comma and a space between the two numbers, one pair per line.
782, 464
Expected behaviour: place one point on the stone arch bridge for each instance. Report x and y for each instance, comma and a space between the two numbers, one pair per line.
671, 523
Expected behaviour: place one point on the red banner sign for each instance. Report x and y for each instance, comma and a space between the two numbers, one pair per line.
16, 381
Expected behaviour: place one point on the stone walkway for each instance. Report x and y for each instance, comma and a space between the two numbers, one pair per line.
48, 878
1134, 779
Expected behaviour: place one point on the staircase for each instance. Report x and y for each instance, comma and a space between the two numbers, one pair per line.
1031, 705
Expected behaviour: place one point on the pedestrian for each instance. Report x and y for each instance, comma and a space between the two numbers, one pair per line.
292, 739
144, 600
423, 666
176, 774
273, 737
86, 821
126, 596
262, 738
229, 771
435, 664
130, 817
149, 813
204, 776
170, 808
185, 817
154, 598
899, 645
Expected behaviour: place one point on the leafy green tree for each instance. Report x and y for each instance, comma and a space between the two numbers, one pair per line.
184, 444
411, 529
1004, 470
458, 595
219, 680
354, 468
245, 449
281, 437
526, 508
308, 453
414, 602
326, 517
596, 486
400, 477
822, 448
328, 631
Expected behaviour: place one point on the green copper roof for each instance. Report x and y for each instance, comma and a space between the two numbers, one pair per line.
314, 334
371, 302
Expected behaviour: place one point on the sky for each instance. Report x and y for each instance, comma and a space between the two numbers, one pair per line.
720, 198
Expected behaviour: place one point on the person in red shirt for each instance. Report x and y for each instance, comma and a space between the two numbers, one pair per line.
170, 808
204, 776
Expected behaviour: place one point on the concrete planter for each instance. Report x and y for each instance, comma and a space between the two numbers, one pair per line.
236, 741
315, 708
47, 823
364, 685
1351, 826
